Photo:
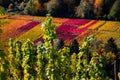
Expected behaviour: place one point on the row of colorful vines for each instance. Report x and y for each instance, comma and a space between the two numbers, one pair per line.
24, 61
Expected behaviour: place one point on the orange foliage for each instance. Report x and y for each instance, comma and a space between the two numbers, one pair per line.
98, 3
38, 6
98, 7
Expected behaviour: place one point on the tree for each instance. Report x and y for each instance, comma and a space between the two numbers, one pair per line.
56, 7
38, 7
29, 9
85, 10
71, 6
42, 1
22, 5
107, 6
115, 11
5, 3
34, 7
98, 8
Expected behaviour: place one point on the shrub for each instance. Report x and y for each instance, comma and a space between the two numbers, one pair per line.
111, 46
74, 47
59, 44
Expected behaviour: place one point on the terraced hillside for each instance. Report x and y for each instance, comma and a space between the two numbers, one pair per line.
22, 27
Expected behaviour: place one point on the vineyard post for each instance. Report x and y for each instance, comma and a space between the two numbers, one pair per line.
116, 68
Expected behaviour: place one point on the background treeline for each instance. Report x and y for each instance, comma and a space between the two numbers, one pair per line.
93, 9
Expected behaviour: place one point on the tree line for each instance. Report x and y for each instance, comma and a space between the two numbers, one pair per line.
92, 9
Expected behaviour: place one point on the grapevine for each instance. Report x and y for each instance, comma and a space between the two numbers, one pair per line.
25, 61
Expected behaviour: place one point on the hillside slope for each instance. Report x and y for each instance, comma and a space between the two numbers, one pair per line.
21, 27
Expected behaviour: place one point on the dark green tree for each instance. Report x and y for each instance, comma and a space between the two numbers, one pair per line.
5, 3
107, 5
29, 9
42, 1
115, 11
56, 7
